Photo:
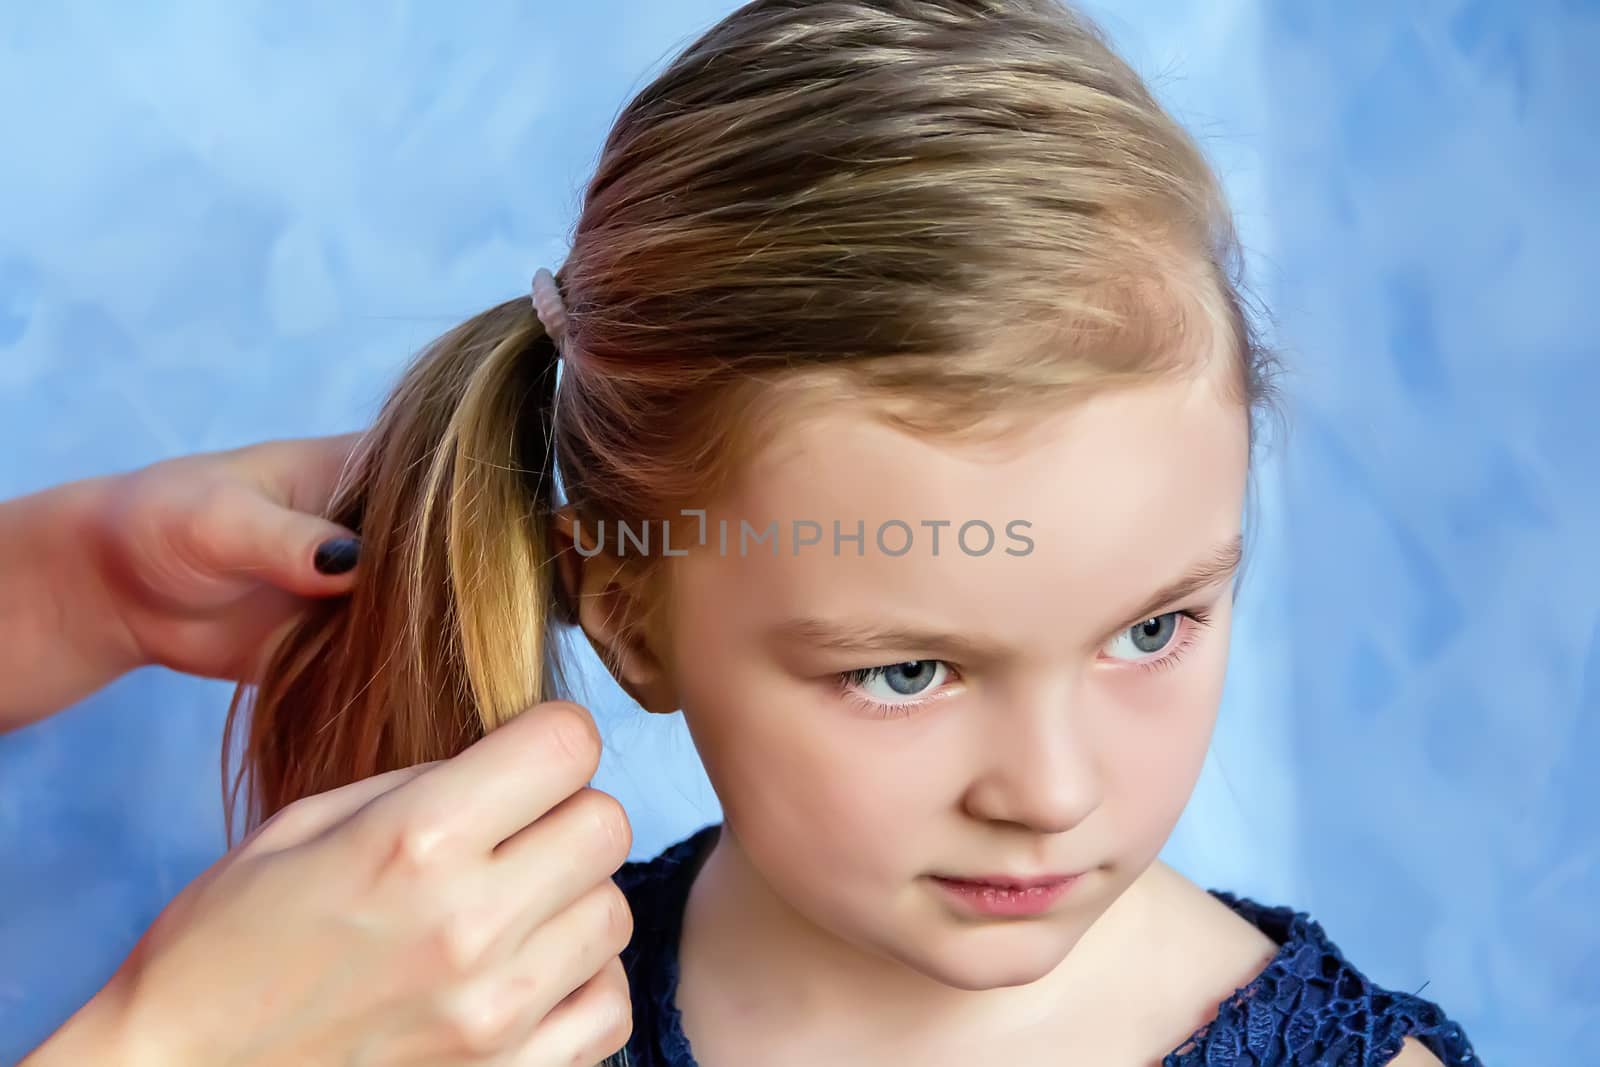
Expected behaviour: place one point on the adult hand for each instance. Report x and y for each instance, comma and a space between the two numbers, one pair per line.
460, 912
197, 563
206, 557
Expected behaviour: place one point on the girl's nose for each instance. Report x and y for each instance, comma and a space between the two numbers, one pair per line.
1038, 767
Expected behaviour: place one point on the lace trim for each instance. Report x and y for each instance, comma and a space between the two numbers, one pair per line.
1310, 1008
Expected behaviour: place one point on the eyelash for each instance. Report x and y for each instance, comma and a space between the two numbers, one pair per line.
848, 681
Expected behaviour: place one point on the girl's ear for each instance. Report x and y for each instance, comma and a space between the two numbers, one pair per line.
598, 593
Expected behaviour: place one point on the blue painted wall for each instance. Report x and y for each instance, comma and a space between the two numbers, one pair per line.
218, 226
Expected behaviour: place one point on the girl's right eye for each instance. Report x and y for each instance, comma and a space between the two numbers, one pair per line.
895, 688
1159, 642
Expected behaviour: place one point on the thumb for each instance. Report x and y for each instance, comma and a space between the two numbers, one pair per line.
302, 554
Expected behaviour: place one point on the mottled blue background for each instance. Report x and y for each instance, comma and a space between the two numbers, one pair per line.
223, 224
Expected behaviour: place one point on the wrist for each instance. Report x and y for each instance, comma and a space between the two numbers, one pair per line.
88, 577
65, 634
102, 1031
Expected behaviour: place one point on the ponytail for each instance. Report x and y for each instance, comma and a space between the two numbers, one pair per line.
450, 629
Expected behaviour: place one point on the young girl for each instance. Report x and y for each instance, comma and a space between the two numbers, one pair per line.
905, 430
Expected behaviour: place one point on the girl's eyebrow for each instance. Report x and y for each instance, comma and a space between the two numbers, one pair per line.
1220, 563
849, 635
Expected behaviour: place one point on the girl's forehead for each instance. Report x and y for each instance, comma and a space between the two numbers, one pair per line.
844, 453
1095, 508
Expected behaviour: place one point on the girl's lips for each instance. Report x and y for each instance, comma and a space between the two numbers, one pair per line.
986, 898
999, 881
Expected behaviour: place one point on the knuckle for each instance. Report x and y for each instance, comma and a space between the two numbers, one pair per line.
620, 1010
613, 1018
417, 846
211, 508
479, 1022
616, 917
459, 940
574, 734
609, 820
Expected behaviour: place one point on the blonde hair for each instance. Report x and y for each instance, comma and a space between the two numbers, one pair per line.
958, 209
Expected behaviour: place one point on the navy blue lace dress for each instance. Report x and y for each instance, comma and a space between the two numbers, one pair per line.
1308, 1007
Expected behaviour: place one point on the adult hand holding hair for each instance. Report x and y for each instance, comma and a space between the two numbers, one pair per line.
197, 563
459, 912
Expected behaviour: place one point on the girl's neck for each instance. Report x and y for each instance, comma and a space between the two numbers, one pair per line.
750, 961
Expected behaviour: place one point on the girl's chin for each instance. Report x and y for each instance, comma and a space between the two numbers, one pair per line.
977, 959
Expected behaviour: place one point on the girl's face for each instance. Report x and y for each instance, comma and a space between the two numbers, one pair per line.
873, 720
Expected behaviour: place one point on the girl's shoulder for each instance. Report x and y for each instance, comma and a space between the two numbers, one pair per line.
1284, 993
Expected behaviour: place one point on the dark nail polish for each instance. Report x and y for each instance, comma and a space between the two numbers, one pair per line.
338, 555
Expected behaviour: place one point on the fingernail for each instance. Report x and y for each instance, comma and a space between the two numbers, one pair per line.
338, 555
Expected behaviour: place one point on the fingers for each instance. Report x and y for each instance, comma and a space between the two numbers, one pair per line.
281, 536
494, 789
513, 994
238, 530
596, 1021
559, 858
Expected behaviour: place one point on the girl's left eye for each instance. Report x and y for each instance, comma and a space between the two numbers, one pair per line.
1159, 641
894, 688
